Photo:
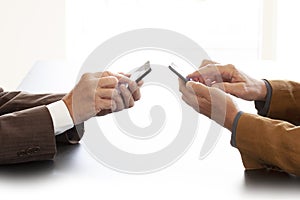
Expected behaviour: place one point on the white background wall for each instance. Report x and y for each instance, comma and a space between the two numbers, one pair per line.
227, 30
34, 30
30, 30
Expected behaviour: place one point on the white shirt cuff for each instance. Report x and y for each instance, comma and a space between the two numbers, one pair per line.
61, 117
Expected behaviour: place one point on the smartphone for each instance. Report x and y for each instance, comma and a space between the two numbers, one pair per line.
141, 72
174, 68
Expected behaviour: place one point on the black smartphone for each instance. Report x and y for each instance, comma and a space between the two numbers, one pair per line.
174, 68
141, 72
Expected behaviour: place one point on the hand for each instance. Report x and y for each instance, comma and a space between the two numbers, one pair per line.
130, 92
100, 94
230, 80
209, 101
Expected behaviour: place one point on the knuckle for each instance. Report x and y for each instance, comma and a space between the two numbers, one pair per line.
210, 66
112, 80
86, 75
206, 62
105, 73
231, 66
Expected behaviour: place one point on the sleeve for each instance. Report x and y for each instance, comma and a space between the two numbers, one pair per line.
262, 107
26, 135
26, 128
283, 102
269, 144
61, 117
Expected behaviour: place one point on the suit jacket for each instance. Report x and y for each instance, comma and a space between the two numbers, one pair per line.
273, 141
26, 128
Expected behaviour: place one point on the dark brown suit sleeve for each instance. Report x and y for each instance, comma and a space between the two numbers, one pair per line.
26, 128
273, 143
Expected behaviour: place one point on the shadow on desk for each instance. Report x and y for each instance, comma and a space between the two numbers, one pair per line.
63, 159
264, 178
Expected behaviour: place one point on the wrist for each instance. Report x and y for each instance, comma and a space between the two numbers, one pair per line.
234, 128
69, 104
230, 119
262, 91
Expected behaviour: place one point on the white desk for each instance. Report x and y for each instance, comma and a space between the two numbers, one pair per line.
74, 174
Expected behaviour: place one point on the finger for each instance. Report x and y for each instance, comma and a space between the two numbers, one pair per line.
236, 89
135, 90
119, 102
192, 101
104, 104
136, 95
107, 93
210, 71
108, 73
196, 76
215, 73
198, 88
182, 87
189, 100
102, 74
184, 90
186, 100
108, 82
127, 97
140, 83
104, 112
207, 62
97, 74
124, 74
124, 80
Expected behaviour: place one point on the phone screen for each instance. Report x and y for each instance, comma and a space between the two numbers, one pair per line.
141, 72
174, 68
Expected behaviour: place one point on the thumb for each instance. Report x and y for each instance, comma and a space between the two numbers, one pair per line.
198, 88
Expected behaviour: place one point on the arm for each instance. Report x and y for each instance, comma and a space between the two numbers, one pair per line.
17, 101
27, 125
262, 142
274, 99
26, 135
283, 101
269, 144
26, 128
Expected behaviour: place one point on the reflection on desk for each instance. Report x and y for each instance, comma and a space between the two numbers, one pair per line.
264, 178
42, 169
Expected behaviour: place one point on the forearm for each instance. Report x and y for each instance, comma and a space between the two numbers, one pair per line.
282, 102
28, 127
17, 101
27, 135
268, 143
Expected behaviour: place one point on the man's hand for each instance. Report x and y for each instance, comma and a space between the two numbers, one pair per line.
230, 80
210, 102
100, 94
